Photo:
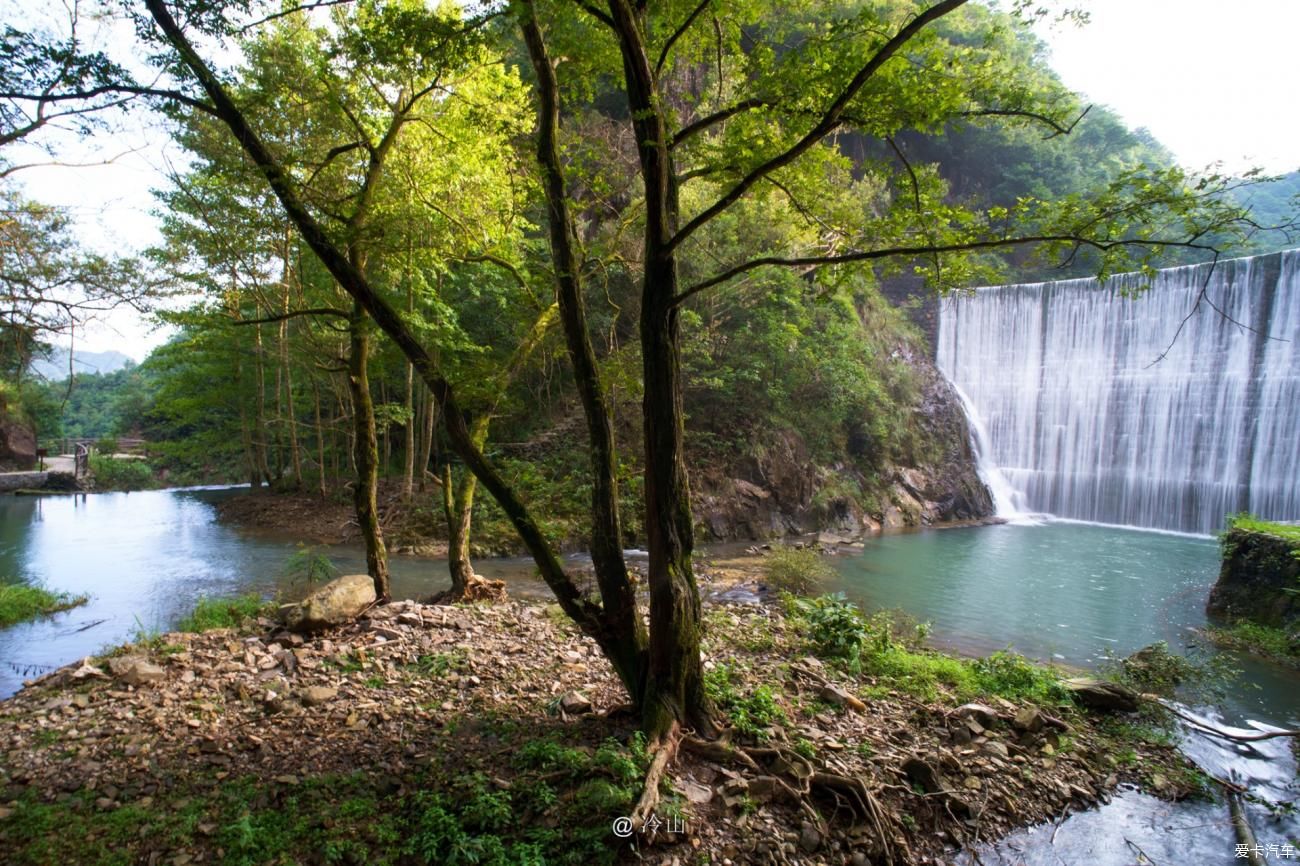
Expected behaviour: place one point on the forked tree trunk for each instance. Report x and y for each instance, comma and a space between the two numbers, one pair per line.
458, 506
675, 688
366, 455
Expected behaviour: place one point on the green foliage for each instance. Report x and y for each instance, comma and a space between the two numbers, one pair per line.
836, 628
1274, 643
752, 712
1250, 523
887, 646
309, 565
123, 474
20, 602
796, 571
1200, 676
1013, 676
210, 613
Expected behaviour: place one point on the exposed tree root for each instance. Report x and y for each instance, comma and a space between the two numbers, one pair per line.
476, 589
662, 752
789, 776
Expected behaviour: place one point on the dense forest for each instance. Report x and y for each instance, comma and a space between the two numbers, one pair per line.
263, 380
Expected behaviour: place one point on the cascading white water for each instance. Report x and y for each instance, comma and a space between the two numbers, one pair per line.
1088, 418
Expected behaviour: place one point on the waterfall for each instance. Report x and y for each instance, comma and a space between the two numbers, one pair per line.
1100, 404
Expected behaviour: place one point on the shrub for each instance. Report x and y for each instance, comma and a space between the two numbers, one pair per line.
796, 571
124, 475
836, 628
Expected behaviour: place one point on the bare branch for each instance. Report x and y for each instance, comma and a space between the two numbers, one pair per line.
813, 262
1058, 128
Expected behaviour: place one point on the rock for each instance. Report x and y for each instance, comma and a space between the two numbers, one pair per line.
809, 839
88, 670
1028, 719
136, 670
694, 793
993, 747
314, 696
335, 603
841, 698
17, 442
575, 703
923, 775
1257, 579
1102, 695
985, 715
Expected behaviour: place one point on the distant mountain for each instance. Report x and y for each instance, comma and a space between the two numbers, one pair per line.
55, 369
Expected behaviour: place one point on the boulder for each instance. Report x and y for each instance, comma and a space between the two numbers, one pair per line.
17, 443
335, 603
136, 670
1102, 695
1258, 577
575, 704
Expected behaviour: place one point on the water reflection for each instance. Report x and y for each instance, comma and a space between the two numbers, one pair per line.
145, 558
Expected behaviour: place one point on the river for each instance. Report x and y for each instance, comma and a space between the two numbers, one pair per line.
1081, 595
145, 558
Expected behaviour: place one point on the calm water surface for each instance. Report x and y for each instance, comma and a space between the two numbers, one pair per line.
1069, 592
145, 558
1075, 593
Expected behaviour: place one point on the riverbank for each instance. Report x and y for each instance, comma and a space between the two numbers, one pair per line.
441, 735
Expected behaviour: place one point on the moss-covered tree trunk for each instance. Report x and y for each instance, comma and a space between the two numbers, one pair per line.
366, 454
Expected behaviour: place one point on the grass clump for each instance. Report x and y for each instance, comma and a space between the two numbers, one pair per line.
796, 571
210, 613
888, 647
1250, 523
1261, 640
21, 602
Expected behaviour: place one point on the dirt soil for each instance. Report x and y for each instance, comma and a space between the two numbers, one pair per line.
414, 697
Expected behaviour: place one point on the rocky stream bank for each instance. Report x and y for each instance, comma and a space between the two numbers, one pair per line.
496, 734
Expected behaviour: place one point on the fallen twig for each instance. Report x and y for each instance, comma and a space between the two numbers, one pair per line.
1218, 732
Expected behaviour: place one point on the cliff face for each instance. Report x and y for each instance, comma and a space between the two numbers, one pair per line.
780, 490
1259, 580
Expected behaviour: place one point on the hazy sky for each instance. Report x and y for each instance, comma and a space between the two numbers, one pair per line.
1213, 81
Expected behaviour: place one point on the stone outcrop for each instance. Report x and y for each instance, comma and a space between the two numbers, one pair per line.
1259, 580
337, 602
780, 490
17, 444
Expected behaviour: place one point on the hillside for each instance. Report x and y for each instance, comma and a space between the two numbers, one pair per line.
55, 367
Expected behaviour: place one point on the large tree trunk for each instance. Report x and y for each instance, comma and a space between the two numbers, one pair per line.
675, 690
366, 451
